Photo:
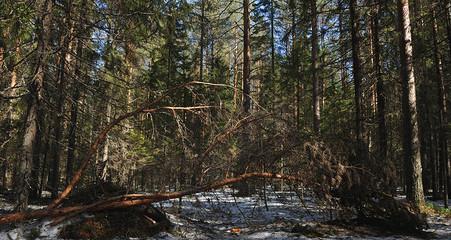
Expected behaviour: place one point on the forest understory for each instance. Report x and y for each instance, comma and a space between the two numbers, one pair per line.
225, 119
220, 215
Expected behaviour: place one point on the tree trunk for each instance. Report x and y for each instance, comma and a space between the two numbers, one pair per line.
273, 51
31, 135
2, 52
447, 7
243, 159
64, 61
380, 91
314, 67
361, 145
246, 59
342, 41
106, 147
202, 36
411, 143
72, 135
443, 120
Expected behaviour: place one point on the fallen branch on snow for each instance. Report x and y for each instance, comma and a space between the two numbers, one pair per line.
130, 200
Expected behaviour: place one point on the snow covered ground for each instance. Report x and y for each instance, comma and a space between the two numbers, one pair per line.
219, 215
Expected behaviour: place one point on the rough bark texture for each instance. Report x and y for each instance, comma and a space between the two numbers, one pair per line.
411, 142
31, 135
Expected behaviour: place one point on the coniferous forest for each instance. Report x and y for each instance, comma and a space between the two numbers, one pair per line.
224, 119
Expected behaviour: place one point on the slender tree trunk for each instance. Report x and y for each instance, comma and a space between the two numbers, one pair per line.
202, 36
3, 160
65, 60
443, 120
342, 47
295, 62
434, 164
11, 110
106, 147
361, 145
32, 136
380, 91
246, 59
314, 67
411, 142
273, 51
45, 163
243, 159
235, 75
77, 77
72, 135
2, 53
447, 7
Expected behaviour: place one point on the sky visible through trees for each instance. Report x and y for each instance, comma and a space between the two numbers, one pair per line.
340, 97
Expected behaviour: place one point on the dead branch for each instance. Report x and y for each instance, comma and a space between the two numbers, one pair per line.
147, 107
228, 132
130, 200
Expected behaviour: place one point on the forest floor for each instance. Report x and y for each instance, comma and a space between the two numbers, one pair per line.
220, 215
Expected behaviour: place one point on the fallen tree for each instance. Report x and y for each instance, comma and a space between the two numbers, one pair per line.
130, 200
145, 108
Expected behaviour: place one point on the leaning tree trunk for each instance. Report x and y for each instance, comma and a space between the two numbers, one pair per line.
411, 142
31, 135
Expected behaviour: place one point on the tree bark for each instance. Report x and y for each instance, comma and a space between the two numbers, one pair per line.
273, 51
361, 145
64, 61
411, 142
380, 91
246, 59
202, 36
342, 41
443, 120
314, 67
77, 77
32, 136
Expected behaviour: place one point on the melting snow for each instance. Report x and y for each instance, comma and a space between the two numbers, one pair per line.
220, 215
